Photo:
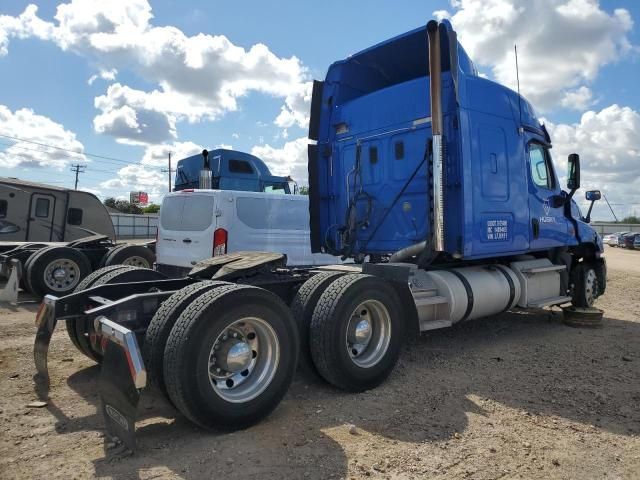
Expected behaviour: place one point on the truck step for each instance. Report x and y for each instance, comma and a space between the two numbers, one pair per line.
545, 302
550, 268
434, 325
427, 297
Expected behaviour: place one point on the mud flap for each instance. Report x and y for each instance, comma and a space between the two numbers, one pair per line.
46, 323
122, 378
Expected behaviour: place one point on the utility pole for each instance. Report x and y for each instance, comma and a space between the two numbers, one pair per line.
169, 171
77, 168
614, 214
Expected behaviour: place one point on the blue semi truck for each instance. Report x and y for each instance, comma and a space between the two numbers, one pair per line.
230, 170
438, 183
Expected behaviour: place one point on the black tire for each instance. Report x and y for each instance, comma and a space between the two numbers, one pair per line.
115, 274
77, 267
24, 280
302, 308
71, 324
133, 255
585, 288
163, 320
187, 355
331, 319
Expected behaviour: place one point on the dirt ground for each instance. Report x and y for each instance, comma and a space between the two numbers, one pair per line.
519, 395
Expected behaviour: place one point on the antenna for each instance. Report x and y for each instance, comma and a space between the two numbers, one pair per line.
515, 48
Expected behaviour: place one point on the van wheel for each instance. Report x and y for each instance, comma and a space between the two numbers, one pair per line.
231, 356
356, 332
585, 285
302, 308
85, 331
57, 271
163, 320
133, 255
70, 325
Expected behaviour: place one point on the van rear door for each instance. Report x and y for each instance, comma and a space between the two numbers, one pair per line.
185, 231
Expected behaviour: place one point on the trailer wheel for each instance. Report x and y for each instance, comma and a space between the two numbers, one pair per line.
57, 270
231, 356
163, 320
356, 332
70, 325
24, 281
585, 285
302, 308
133, 255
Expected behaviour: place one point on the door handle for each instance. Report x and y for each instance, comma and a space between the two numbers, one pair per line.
535, 225
186, 240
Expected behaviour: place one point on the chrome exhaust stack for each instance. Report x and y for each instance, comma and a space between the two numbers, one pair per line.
205, 173
435, 93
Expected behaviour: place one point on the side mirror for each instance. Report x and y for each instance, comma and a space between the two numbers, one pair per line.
573, 180
593, 195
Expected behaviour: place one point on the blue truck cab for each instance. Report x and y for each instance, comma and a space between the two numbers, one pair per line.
230, 170
370, 182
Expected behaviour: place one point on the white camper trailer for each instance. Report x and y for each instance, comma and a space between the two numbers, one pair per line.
35, 212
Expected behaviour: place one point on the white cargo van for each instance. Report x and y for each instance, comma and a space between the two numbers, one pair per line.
198, 224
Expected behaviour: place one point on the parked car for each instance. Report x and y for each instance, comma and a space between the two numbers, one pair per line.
636, 242
629, 239
613, 239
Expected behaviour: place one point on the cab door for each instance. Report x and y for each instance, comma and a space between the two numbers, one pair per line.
41, 212
548, 225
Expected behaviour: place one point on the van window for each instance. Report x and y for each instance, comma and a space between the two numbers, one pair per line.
42, 207
3, 208
273, 213
74, 216
240, 166
191, 213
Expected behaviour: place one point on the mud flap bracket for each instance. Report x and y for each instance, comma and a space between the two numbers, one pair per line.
122, 378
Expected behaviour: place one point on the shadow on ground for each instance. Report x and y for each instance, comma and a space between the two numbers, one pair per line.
527, 361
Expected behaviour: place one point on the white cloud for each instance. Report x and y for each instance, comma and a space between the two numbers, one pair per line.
291, 159
562, 44
579, 99
103, 74
295, 110
609, 148
198, 77
158, 155
27, 125
138, 177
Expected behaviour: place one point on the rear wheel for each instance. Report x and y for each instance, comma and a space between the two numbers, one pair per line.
85, 331
164, 319
231, 357
302, 308
132, 255
56, 271
356, 332
70, 325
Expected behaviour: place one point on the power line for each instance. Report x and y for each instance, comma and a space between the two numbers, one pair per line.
87, 154
78, 169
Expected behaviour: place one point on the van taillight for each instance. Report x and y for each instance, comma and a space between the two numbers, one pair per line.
219, 242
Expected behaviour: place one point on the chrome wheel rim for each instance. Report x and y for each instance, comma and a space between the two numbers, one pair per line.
243, 360
590, 286
62, 274
368, 333
136, 261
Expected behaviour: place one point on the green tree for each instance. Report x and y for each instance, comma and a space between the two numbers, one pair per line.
304, 190
122, 206
630, 219
151, 208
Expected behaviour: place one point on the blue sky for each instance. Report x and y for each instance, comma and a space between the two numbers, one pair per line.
580, 65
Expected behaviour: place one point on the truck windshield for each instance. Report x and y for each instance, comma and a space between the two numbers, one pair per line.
192, 213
